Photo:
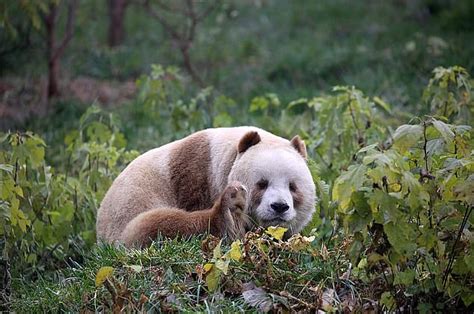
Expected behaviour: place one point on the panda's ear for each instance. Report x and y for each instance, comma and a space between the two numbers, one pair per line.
248, 140
299, 145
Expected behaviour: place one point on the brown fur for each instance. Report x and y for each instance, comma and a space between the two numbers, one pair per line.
256, 197
299, 145
225, 218
250, 139
298, 198
189, 169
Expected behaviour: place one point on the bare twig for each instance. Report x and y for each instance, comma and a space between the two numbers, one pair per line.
425, 151
360, 138
185, 38
453, 250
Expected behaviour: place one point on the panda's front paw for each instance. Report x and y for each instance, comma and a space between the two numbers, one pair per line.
234, 197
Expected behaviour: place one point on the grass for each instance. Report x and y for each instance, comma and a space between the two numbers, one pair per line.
165, 264
169, 276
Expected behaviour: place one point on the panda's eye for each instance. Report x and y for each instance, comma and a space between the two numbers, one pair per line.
262, 184
292, 187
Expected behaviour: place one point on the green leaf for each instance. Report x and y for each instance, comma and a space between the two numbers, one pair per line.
405, 278
464, 191
217, 253
223, 119
361, 216
273, 98
427, 239
258, 104
99, 132
347, 183
371, 147
467, 297
374, 258
18, 217
380, 159
444, 130
7, 186
406, 136
469, 260
35, 150
424, 308
298, 106
32, 258
401, 236
212, 277
382, 104
388, 300
435, 146
384, 206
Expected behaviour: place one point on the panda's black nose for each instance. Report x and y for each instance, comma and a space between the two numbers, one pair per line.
279, 207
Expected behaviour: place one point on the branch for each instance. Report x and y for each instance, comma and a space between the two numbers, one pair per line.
162, 21
71, 17
170, 9
185, 38
449, 268
197, 18
360, 138
425, 151
208, 10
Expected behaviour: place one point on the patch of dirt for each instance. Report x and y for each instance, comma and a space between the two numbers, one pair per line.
19, 100
22, 99
88, 90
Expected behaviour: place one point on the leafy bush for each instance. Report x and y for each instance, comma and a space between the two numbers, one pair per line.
48, 215
449, 94
408, 209
409, 206
164, 112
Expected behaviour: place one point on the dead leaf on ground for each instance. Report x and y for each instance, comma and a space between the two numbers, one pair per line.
257, 297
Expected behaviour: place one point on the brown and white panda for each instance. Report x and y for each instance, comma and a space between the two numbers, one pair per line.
222, 181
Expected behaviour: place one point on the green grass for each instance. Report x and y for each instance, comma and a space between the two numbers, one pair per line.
165, 264
169, 277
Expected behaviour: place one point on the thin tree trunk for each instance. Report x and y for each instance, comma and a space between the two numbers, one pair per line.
188, 65
53, 66
116, 19
54, 51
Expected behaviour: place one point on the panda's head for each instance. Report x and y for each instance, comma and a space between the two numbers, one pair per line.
281, 189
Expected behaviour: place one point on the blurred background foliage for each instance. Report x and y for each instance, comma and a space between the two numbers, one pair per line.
241, 48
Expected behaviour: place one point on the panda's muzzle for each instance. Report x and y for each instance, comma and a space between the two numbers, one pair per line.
280, 208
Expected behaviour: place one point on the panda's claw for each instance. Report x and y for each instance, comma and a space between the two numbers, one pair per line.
234, 196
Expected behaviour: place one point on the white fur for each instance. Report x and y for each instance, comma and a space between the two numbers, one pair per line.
280, 165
